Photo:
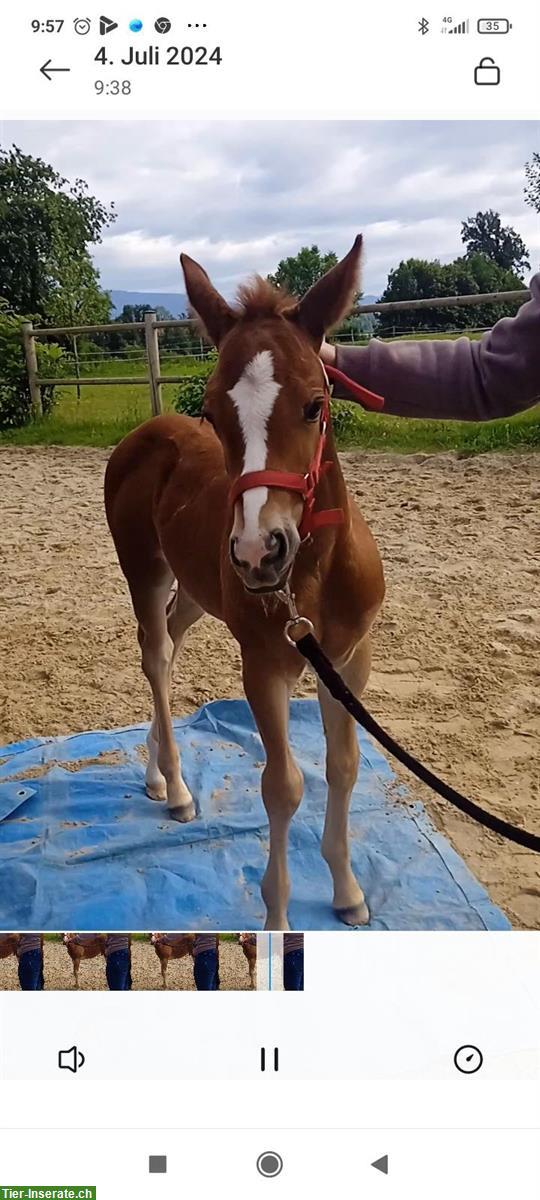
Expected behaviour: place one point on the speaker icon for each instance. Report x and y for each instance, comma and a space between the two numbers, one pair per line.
71, 1060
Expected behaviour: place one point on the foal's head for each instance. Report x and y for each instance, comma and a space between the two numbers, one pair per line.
265, 399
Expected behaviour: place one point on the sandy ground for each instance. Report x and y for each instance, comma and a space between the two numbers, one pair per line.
145, 970
456, 655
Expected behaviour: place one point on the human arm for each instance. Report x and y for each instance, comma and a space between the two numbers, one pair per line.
463, 380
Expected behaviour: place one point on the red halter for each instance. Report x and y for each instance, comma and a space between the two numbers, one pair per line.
306, 484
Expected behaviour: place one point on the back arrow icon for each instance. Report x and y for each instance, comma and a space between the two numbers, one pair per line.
47, 70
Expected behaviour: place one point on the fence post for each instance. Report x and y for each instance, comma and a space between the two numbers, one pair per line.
32, 368
152, 357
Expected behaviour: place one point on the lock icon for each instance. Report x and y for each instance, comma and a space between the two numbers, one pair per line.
487, 73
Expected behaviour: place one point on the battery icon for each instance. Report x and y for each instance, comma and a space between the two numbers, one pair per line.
494, 25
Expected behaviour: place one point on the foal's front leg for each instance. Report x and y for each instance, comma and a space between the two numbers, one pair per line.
282, 783
164, 778
342, 759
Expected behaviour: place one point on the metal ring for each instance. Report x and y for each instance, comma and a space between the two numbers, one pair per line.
298, 621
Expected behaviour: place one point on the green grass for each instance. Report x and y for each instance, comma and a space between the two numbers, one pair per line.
104, 415
364, 340
369, 431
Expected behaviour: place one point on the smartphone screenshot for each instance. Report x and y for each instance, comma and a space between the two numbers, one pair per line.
269, 618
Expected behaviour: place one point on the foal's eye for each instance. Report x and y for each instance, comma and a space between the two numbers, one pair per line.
312, 411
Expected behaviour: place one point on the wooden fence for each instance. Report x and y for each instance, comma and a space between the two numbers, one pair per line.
151, 326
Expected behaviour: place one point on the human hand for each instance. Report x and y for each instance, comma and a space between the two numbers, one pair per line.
327, 354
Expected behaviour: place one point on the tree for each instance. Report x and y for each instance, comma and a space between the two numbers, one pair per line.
15, 398
485, 234
79, 300
299, 272
117, 340
476, 274
132, 312
413, 279
176, 340
532, 189
420, 279
45, 223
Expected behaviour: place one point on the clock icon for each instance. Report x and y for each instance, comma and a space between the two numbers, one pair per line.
468, 1060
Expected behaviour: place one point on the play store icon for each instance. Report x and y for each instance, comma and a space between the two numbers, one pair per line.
106, 25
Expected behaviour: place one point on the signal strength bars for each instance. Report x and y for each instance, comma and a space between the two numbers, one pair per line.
463, 27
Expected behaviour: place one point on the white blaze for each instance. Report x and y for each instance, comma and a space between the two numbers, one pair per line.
254, 397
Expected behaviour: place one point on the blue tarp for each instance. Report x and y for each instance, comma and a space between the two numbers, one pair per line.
83, 847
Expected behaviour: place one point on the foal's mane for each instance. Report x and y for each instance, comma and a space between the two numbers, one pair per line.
259, 298
256, 299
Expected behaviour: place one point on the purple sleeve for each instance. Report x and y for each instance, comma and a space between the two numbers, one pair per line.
458, 380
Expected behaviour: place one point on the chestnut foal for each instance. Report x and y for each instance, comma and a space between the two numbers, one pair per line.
91, 947
167, 947
218, 507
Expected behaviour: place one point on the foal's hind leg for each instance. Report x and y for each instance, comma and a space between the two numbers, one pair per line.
342, 759
157, 654
182, 612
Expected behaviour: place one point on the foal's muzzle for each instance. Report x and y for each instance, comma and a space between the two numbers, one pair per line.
279, 547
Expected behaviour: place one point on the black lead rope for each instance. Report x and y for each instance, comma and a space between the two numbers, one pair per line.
309, 647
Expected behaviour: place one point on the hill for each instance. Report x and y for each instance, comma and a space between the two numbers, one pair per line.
175, 302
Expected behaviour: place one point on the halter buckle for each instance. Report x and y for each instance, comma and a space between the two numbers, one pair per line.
310, 628
287, 597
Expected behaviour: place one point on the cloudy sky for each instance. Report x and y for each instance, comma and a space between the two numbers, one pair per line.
241, 195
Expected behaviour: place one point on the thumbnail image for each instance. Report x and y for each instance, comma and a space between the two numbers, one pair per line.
121, 962
269, 435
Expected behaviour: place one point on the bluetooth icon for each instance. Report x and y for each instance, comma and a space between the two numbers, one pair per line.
423, 26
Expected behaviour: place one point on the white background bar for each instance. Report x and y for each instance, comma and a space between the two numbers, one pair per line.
281, 60
319, 1163
376, 1006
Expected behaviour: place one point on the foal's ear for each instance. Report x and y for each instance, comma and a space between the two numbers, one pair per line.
331, 298
216, 315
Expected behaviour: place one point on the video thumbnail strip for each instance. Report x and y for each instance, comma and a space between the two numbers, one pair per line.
143, 961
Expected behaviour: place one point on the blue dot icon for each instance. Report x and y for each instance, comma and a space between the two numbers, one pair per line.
135, 26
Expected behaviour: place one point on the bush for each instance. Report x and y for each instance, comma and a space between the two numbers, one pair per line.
346, 423
15, 403
190, 395
52, 360
15, 399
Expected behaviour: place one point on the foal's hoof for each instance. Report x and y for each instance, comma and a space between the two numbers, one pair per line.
357, 914
156, 792
184, 812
